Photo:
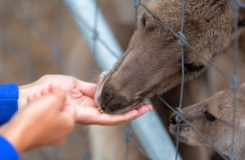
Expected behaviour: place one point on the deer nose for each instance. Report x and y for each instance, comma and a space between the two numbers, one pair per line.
112, 101
114, 105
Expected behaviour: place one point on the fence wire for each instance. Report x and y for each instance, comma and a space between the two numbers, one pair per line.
56, 49
182, 41
236, 4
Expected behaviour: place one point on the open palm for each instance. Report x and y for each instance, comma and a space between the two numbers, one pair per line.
81, 95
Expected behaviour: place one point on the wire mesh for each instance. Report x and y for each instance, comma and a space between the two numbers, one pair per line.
56, 49
231, 79
184, 43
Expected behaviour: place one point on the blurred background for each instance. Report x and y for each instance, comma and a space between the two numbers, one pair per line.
41, 37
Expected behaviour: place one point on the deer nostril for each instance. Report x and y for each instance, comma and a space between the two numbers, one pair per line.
173, 120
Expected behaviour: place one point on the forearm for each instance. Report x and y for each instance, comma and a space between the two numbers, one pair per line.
14, 131
14, 135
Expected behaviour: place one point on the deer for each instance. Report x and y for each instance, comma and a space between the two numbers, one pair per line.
213, 119
151, 64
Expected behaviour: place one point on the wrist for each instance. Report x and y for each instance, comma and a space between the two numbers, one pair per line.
24, 92
14, 135
22, 101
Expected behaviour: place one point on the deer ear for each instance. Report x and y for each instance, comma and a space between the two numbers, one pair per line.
241, 19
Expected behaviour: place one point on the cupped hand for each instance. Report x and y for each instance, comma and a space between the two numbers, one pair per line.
80, 95
88, 113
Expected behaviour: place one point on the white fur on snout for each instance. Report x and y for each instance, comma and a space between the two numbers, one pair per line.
101, 83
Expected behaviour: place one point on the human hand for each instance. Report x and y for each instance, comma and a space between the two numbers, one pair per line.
80, 95
87, 111
67, 83
46, 121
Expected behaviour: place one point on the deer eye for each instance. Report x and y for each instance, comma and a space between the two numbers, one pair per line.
209, 116
146, 23
191, 67
143, 20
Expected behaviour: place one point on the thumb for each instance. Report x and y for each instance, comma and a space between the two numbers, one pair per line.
67, 118
70, 111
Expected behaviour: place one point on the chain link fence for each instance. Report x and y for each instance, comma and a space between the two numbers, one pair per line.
53, 39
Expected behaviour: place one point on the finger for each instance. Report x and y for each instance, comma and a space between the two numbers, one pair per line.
145, 108
126, 117
53, 101
59, 142
30, 99
86, 88
45, 91
106, 119
58, 95
35, 96
38, 95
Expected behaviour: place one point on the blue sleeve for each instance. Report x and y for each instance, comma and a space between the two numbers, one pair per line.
7, 151
9, 94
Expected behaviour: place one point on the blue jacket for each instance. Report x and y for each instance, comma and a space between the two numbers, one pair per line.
9, 95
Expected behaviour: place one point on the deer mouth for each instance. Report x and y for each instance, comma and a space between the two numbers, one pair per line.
186, 135
183, 135
120, 104
114, 102
112, 105
135, 105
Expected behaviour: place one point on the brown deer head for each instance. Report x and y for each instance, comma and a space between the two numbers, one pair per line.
151, 64
213, 119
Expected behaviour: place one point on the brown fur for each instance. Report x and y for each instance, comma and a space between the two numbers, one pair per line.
213, 118
151, 64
